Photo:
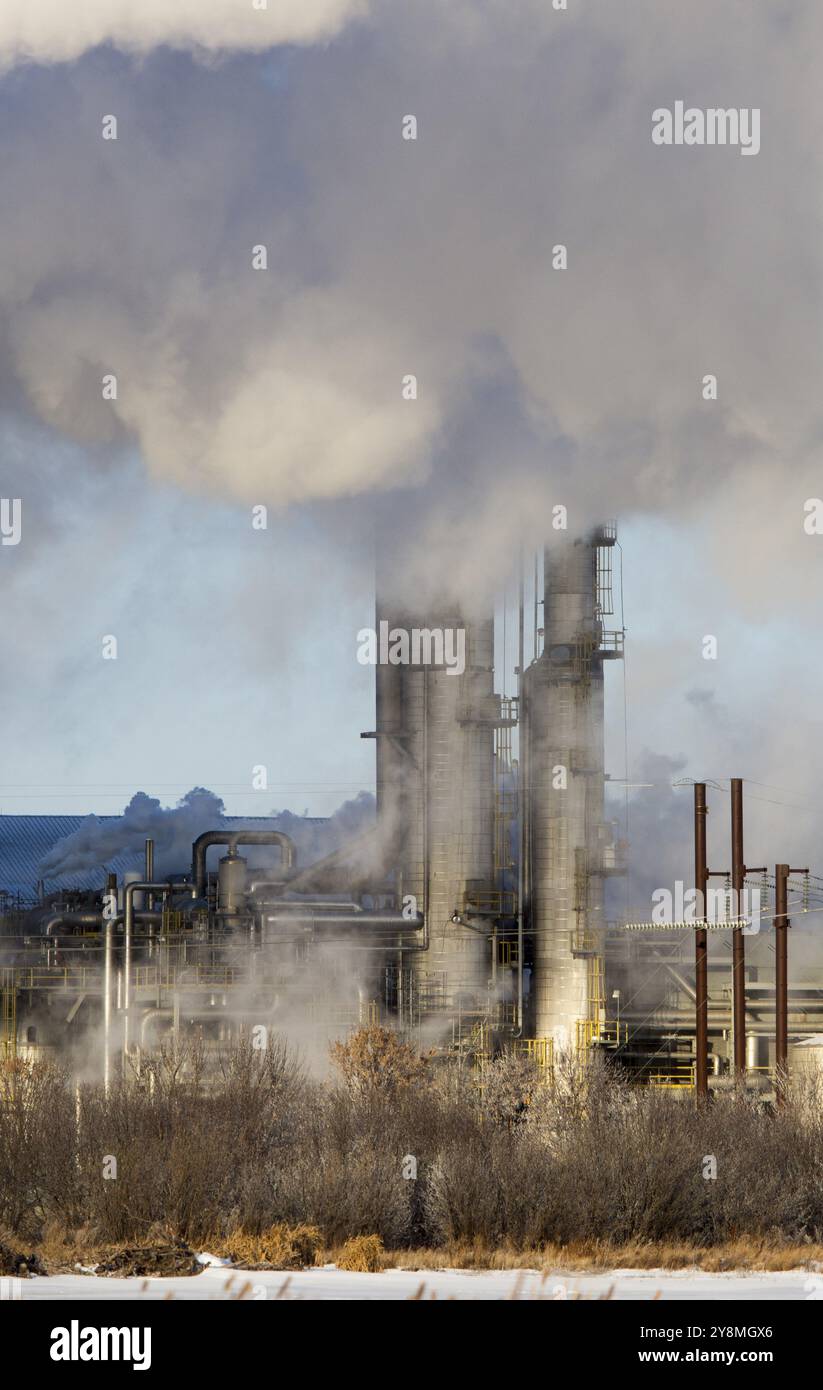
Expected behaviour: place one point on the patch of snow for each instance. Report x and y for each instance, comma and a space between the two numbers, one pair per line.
329, 1283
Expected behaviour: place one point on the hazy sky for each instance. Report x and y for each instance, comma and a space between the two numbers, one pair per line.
239, 128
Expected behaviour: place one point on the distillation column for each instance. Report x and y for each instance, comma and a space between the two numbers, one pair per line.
564, 789
435, 800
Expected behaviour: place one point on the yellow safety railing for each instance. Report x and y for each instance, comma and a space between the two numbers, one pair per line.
682, 1078
594, 1032
55, 977
538, 1050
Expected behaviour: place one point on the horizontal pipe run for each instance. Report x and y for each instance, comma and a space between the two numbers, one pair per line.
395, 921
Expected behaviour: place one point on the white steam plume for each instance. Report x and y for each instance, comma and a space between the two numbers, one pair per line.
51, 31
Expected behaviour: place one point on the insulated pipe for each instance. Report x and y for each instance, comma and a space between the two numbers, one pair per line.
88, 919
71, 919
332, 905
395, 920
233, 838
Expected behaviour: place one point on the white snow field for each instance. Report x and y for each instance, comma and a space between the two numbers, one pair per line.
330, 1283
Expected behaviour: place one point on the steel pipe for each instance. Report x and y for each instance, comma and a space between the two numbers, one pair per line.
231, 839
354, 920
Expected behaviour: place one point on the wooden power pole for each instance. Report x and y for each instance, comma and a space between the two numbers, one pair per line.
738, 947
701, 946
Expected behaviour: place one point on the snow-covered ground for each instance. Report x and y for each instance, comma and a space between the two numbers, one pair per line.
331, 1283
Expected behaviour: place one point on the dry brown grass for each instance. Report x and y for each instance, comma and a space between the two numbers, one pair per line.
61, 1249
296, 1247
580, 1257
279, 1247
363, 1255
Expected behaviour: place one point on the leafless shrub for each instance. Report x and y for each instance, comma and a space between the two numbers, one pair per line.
375, 1060
199, 1150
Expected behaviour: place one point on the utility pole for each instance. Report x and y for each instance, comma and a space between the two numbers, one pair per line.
738, 948
521, 786
781, 977
781, 980
701, 946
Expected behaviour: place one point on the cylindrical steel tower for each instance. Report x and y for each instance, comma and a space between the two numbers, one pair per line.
435, 794
562, 733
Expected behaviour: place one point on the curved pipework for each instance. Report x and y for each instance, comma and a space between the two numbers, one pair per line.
231, 839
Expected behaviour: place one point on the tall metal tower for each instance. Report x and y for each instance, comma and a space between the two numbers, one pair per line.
569, 847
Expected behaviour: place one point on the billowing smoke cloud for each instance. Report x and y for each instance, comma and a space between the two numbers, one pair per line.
47, 31
96, 843
434, 258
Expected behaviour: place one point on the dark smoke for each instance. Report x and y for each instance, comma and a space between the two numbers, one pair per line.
173, 828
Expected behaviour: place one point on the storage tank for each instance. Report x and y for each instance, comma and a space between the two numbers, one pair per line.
231, 883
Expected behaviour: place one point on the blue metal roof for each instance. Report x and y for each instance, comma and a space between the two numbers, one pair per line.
26, 840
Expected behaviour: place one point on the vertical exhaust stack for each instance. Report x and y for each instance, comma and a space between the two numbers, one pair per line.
568, 847
435, 800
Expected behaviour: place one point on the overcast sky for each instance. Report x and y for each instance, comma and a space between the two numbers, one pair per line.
239, 128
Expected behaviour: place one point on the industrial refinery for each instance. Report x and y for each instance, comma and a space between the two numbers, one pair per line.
474, 916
